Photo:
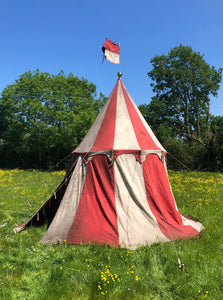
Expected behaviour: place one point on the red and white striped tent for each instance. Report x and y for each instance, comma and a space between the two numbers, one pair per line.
116, 190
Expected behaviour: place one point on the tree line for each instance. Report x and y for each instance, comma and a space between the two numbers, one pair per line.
44, 117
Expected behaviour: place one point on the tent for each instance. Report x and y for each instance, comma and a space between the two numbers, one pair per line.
116, 190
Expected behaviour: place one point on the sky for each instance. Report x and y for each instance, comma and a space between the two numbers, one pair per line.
55, 35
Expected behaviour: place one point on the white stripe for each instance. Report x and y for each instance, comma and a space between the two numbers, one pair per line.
196, 225
124, 133
136, 223
112, 57
62, 222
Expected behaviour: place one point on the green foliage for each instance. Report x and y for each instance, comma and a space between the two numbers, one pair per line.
183, 83
29, 270
152, 112
45, 117
179, 113
217, 129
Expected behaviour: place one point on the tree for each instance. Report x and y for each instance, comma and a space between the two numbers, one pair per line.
179, 113
183, 83
45, 116
217, 129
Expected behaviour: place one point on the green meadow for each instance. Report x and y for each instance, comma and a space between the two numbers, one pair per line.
29, 270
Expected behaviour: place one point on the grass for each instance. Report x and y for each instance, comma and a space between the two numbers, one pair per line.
29, 270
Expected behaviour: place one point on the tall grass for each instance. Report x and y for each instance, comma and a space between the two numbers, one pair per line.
29, 270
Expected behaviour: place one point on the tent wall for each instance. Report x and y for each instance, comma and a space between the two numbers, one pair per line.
48, 210
122, 203
60, 226
162, 202
136, 222
96, 218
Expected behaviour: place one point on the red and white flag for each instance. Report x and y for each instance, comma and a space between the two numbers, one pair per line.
111, 51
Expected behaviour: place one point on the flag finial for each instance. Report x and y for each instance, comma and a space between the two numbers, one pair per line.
119, 74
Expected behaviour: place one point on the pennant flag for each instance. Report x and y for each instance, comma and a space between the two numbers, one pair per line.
111, 51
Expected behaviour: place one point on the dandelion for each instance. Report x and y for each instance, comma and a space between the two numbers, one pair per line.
41, 271
61, 267
136, 278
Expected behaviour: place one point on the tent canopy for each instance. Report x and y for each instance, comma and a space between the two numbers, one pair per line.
116, 190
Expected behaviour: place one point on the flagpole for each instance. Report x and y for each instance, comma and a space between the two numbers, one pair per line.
119, 73
119, 59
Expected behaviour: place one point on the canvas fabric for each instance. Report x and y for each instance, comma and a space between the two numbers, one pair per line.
119, 126
122, 203
111, 51
60, 226
112, 57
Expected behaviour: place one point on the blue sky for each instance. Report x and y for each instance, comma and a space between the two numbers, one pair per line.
55, 35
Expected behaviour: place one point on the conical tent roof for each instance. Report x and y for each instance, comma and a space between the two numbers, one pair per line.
116, 190
119, 126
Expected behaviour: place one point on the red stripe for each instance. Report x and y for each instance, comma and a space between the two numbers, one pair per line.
136, 153
96, 218
161, 200
113, 47
105, 137
143, 137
